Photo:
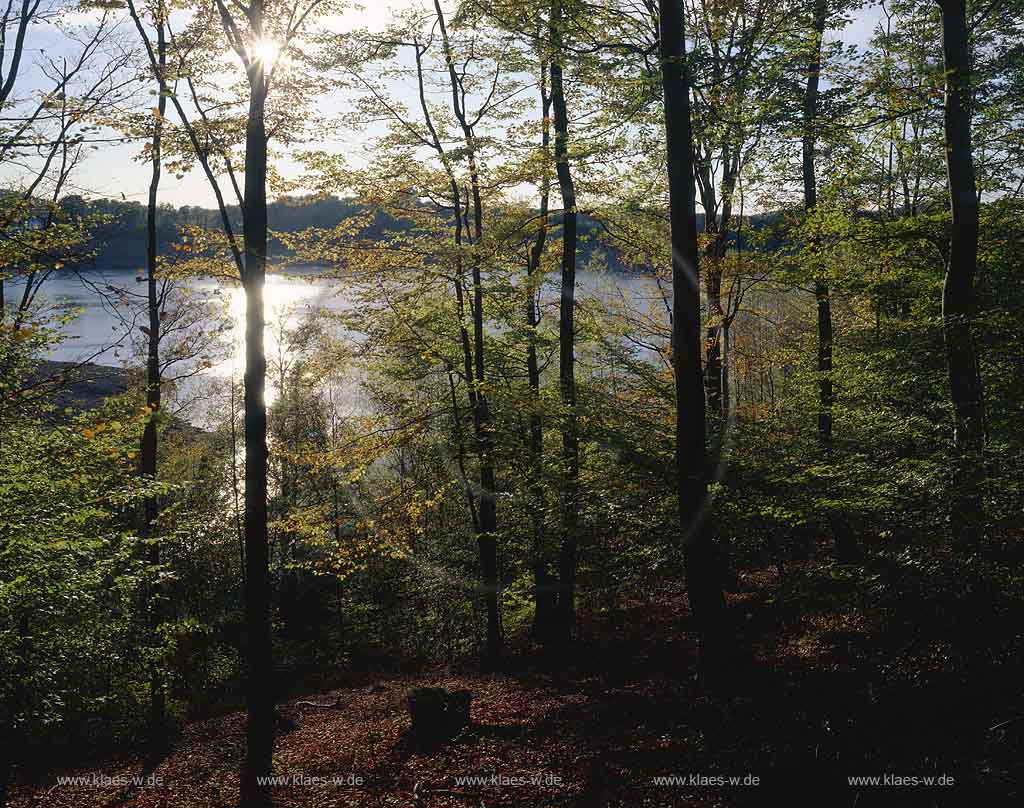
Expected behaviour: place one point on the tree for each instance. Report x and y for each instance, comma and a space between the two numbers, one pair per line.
429, 173
544, 596
49, 132
71, 571
737, 77
706, 600
819, 18
262, 38
961, 266
904, 164
154, 381
565, 36
260, 728
569, 511
487, 536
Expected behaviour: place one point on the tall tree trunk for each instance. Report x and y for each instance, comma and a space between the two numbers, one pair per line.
716, 226
821, 290
148, 448
460, 459
239, 532
707, 603
260, 701
569, 511
545, 602
487, 540
726, 361
958, 289
487, 535
715, 253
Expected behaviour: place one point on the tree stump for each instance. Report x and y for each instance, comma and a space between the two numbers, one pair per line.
438, 714
456, 712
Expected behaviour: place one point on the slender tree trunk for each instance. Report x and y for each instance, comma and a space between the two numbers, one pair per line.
460, 458
715, 253
485, 517
260, 725
487, 538
726, 360
148, 448
545, 602
958, 289
825, 392
821, 290
569, 512
707, 603
717, 229
335, 497
239, 532
487, 535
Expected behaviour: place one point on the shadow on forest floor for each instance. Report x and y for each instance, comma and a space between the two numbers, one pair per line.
828, 691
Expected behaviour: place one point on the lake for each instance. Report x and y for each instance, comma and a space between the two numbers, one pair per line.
98, 335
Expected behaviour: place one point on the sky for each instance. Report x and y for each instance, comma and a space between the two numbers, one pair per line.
112, 172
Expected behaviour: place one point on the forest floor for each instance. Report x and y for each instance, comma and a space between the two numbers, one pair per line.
824, 694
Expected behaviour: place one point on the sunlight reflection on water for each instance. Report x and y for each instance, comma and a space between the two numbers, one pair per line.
289, 296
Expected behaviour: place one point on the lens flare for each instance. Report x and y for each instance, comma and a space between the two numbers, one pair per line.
266, 51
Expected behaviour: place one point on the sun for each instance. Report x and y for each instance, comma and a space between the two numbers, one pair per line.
266, 51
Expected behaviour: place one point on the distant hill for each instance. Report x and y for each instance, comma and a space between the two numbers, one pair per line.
120, 243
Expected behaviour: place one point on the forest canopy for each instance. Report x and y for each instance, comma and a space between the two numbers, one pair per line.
561, 403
